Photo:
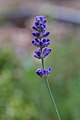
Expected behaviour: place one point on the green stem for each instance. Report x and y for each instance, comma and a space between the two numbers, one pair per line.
43, 63
52, 98
51, 95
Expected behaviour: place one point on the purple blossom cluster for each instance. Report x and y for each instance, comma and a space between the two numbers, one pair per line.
43, 72
41, 42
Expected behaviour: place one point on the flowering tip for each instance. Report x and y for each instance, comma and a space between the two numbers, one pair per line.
40, 23
43, 72
41, 19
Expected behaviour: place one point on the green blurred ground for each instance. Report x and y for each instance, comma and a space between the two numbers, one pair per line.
23, 95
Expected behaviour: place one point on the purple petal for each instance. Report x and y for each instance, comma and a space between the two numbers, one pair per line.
42, 28
43, 72
36, 34
45, 34
40, 72
34, 27
44, 21
36, 23
45, 42
46, 52
42, 43
41, 18
35, 42
48, 70
37, 54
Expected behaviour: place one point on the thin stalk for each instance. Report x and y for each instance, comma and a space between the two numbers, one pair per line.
43, 63
51, 95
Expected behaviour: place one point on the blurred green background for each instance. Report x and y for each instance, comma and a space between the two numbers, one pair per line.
23, 95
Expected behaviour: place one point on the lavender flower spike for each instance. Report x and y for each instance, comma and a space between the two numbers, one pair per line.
39, 33
42, 52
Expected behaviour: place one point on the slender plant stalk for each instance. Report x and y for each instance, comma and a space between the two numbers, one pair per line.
42, 42
50, 94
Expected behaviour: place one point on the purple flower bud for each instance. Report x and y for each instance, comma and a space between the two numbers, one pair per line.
46, 52
45, 34
44, 21
37, 53
36, 34
34, 27
43, 72
36, 42
40, 23
44, 42
41, 18
40, 72
36, 24
48, 70
42, 28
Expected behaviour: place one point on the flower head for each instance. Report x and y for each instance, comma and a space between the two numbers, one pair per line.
42, 42
40, 25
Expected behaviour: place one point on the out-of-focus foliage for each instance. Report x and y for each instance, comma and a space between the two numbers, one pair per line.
23, 95
14, 102
66, 75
